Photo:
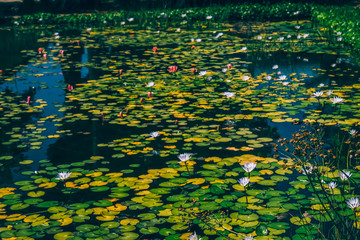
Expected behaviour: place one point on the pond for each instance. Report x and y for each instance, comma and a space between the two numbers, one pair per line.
228, 131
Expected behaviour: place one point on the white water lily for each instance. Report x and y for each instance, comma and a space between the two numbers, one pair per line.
63, 175
336, 100
307, 169
352, 132
275, 67
228, 94
202, 73
248, 238
318, 94
282, 77
209, 17
154, 134
329, 92
150, 84
194, 237
248, 167
353, 203
245, 78
332, 185
244, 181
184, 156
344, 175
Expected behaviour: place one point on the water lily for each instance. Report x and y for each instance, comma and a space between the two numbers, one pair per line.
352, 132
307, 169
209, 17
329, 92
245, 78
63, 175
184, 157
344, 175
332, 185
154, 134
244, 181
172, 69
282, 77
318, 94
353, 203
228, 94
336, 100
275, 67
248, 167
248, 238
285, 83
194, 237
202, 73
150, 84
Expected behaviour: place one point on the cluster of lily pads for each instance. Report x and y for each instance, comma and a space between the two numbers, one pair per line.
176, 130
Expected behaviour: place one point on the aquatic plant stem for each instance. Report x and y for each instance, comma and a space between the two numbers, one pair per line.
191, 213
310, 224
187, 169
320, 200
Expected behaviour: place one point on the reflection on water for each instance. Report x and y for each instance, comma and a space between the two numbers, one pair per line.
40, 83
11, 45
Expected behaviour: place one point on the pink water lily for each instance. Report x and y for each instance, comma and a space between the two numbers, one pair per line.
172, 69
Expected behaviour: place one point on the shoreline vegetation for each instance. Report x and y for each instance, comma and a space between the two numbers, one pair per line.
336, 19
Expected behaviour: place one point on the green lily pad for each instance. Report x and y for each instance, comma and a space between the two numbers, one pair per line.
86, 227
279, 225
150, 230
